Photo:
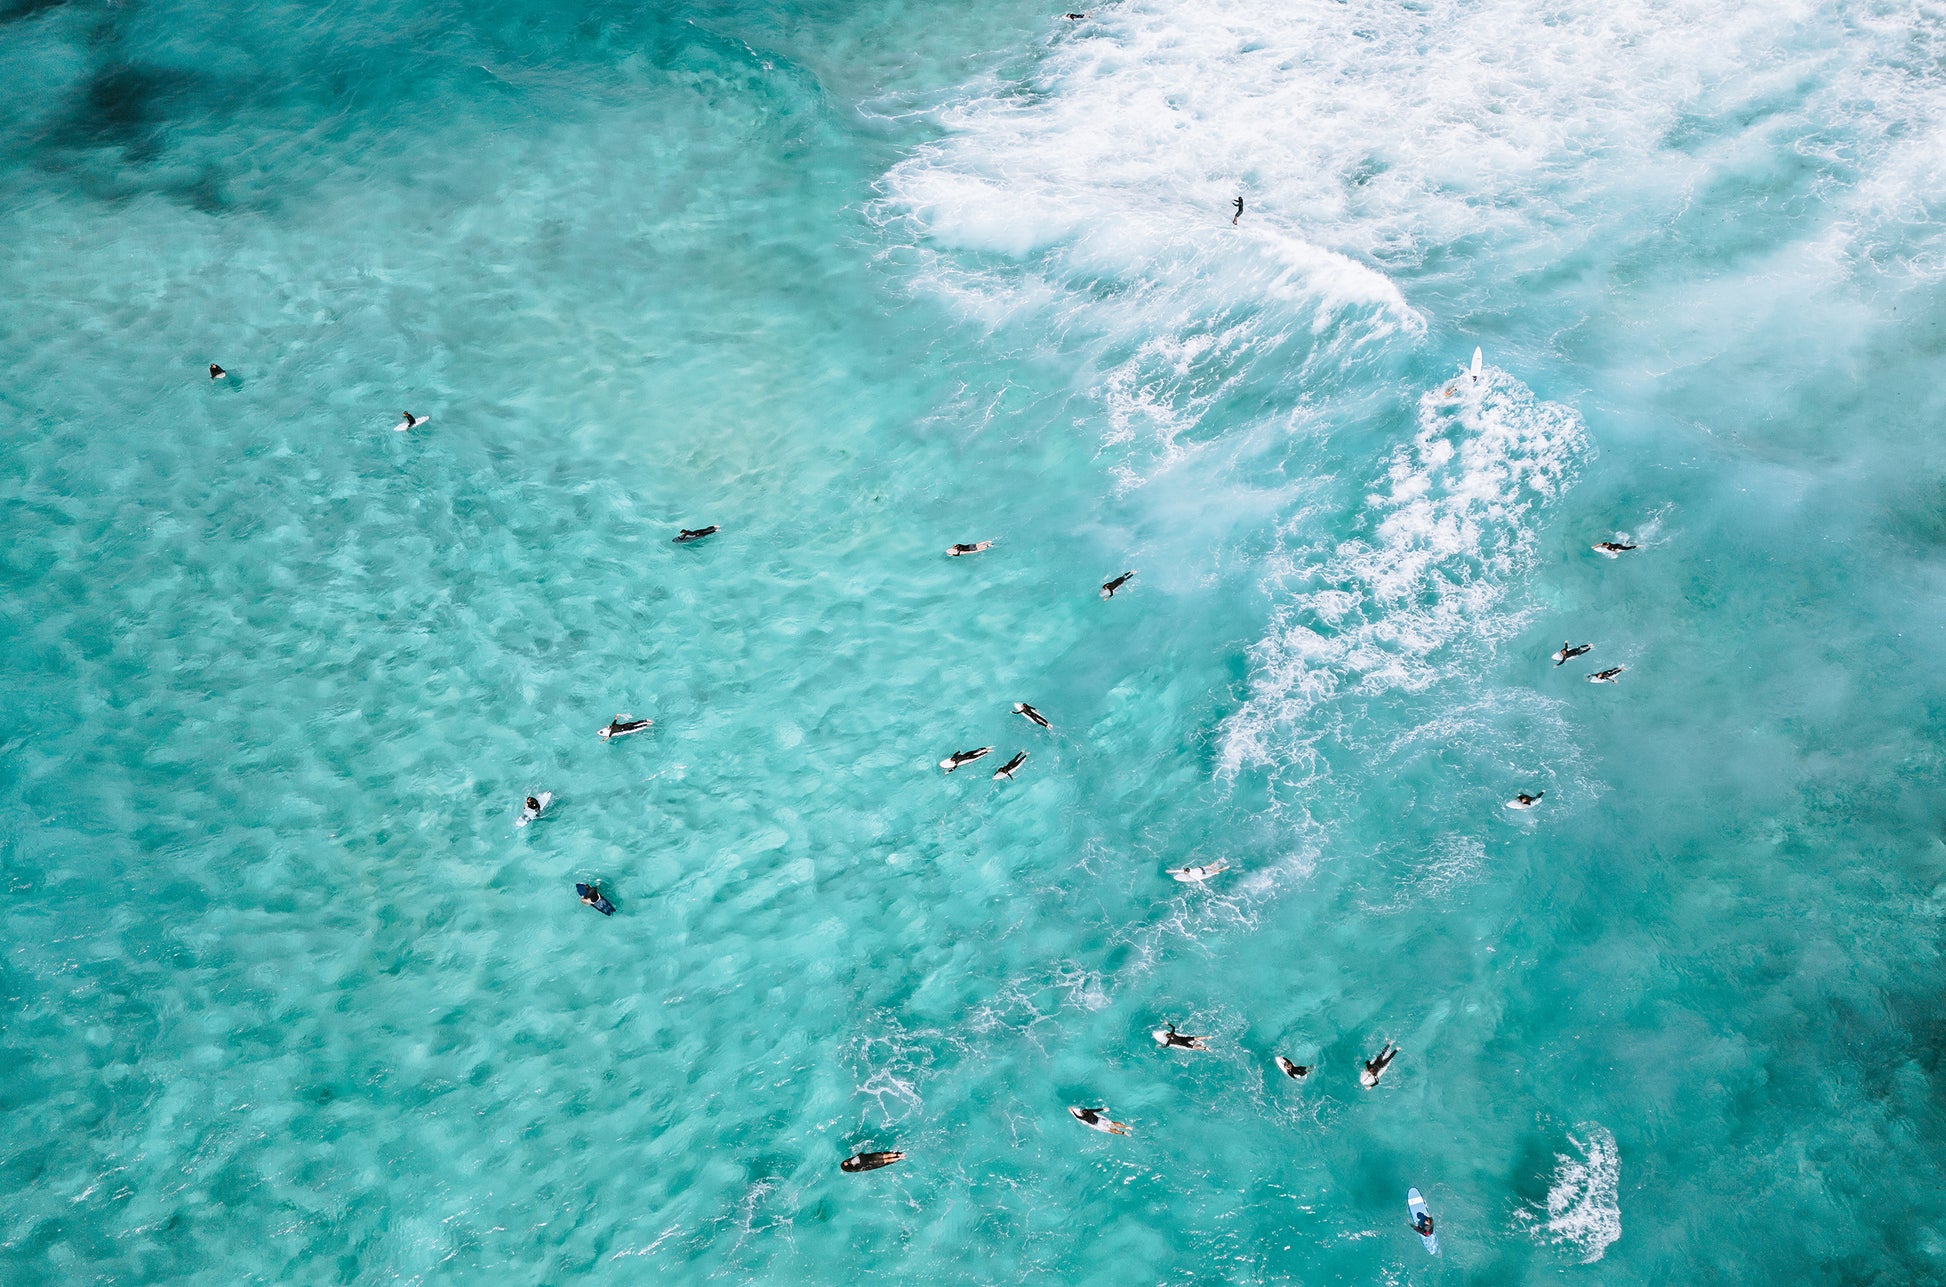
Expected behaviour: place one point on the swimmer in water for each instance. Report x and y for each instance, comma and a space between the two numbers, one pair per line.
1169, 1039
593, 897
1007, 770
216, 372
1376, 1065
1197, 875
1108, 588
869, 1161
1239, 214
1611, 549
955, 551
689, 534
1606, 676
1568, 653
623, 725
1525, 801
1092, 1119
959, 759
409, 421
1296, 1072
1022, 708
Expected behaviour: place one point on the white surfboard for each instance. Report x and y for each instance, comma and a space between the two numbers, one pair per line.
1417, 1206
1474, 370
546, 798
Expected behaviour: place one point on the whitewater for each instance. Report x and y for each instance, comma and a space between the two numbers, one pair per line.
294, 995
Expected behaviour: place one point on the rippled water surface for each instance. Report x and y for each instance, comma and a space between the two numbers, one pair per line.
290, 998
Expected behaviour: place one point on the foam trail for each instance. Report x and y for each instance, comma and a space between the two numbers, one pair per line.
1583, 1204
1448, 526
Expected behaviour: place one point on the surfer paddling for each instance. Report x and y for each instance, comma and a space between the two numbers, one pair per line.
960, 551
1197, 875
1612, 549
1169, 1039
622, 726
1092, 1119
1108, 588
216, 372
1375, 1066
533, 807
869, 1161
1029, 713
1007, 770
409, 421
689, 534
1296, 1072
959, 759
1569, 652
1609, 676
593, 897
1525, 801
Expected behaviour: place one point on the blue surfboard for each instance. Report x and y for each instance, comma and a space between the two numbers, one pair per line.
1417, 1206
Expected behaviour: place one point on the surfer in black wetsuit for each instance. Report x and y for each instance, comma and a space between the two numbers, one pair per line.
1376, 1065
689, 534
962, 549
1108, 588
622, 726
1239, 214
593, 897
1422, 1224
216, 372
869, 1161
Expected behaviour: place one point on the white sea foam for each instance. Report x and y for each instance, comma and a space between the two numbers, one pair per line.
1584, 1211
1445, 530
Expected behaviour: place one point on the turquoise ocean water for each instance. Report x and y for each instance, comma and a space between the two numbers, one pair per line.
290, 999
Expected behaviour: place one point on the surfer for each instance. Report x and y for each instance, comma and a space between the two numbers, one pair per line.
869, 1161
981, 547
1108, 588
593, 897
1376, 1065
1525, 801
1092, 1119
1568, 654
689, 534
1296, 1072
532, 809
1169, 1039
959, 759
1074, 17
1022, 708
216, 372
409, 421
1239, 214
1007, 770
1197, 875
622, 725
1422, 1224
1611, 549
1606, 676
